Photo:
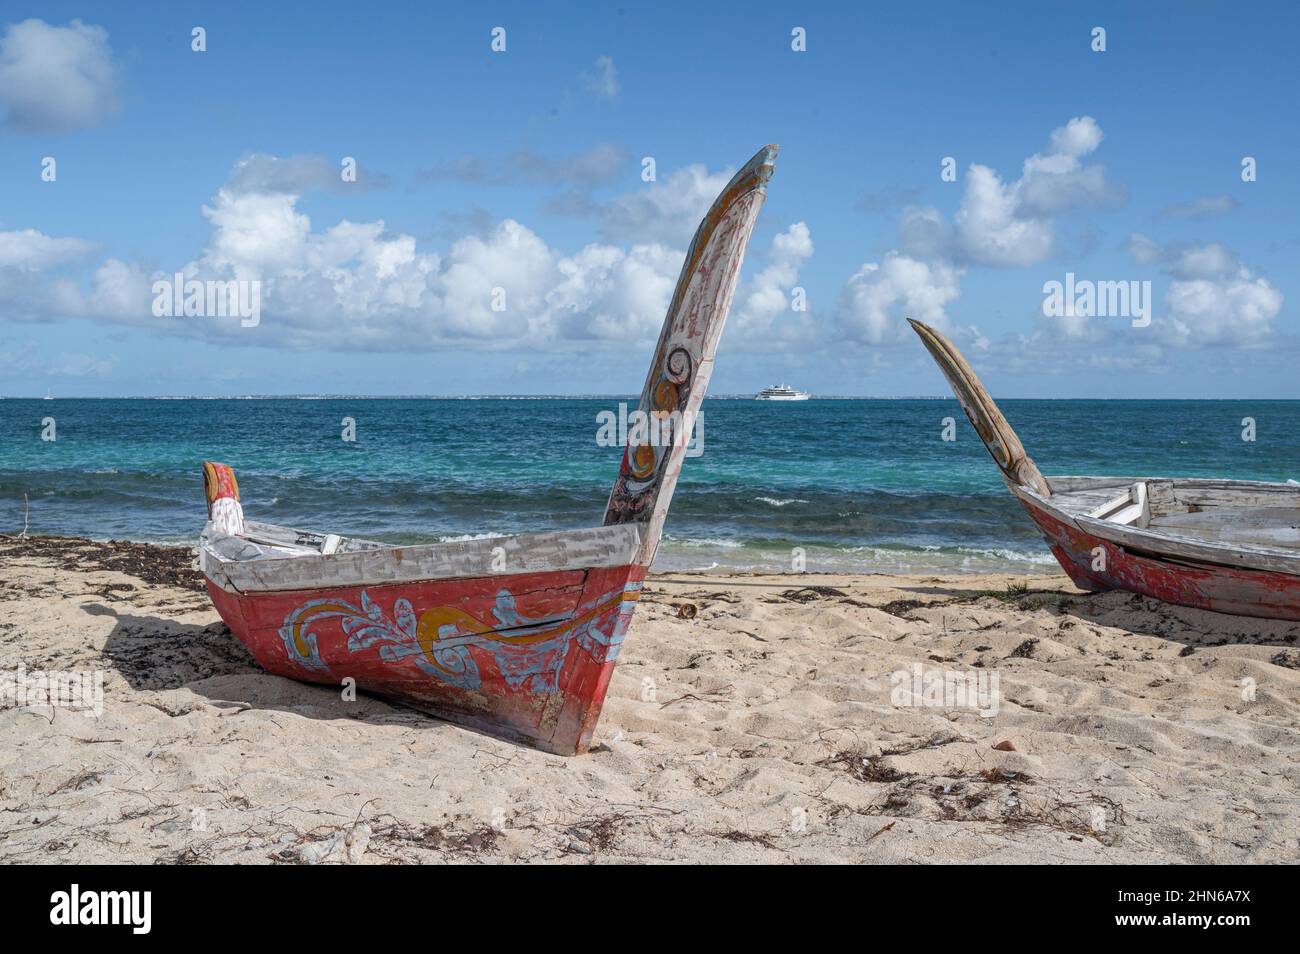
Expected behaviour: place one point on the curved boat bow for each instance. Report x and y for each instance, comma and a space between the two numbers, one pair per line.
1008, 453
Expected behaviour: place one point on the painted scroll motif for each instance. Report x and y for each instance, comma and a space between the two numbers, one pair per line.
528, 653
679, 375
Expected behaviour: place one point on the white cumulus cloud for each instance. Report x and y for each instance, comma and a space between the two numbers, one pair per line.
1011, 224
29, 249
56, 79
998, 224
360, 286
1237, 310
765, 298
880, 295
1212, 298
667, 211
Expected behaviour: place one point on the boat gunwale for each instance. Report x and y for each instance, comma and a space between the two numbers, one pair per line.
1162, 544
587, 548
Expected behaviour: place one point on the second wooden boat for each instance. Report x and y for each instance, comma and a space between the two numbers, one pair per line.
514, 635
1232, 546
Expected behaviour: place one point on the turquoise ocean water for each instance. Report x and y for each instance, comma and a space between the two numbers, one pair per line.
860, 485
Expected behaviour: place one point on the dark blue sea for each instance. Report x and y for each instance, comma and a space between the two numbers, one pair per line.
860, 485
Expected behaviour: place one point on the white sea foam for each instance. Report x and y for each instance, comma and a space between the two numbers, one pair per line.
705, 542
731, 555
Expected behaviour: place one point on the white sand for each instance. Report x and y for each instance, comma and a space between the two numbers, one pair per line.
753, 732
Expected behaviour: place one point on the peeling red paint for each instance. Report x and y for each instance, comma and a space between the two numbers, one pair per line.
558, 716
1241, 592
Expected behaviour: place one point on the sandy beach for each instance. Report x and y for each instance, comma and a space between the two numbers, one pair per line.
752, 719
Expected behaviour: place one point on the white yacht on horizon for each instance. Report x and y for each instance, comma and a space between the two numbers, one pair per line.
780, 392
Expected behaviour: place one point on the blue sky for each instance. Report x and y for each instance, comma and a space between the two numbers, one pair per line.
522, 170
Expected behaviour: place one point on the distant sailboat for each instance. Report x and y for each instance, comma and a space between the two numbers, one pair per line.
48, 395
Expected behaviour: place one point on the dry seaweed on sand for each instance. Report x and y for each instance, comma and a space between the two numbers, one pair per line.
1025, 650
1011, 593
744, 837
1288, 658
478, 840
159, 565
811, 594
864, 768
901, 608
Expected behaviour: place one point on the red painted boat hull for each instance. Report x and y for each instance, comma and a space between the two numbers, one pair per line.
1222, 589
526, 656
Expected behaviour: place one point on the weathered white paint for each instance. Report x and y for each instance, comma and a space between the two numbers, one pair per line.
683, 362
1071, 509
238, 564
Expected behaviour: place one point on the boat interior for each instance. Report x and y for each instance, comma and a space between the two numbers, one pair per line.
264, 557
266, 541
1234, 512
260, 541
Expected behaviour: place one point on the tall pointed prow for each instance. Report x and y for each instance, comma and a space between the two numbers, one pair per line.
683, 361
1002, 443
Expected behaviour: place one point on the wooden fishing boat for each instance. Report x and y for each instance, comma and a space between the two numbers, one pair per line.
514, 635
1232, 546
